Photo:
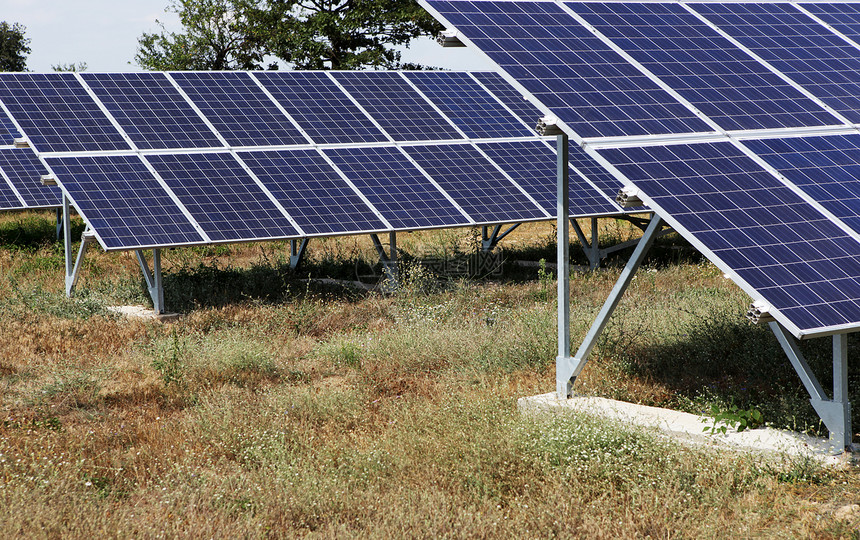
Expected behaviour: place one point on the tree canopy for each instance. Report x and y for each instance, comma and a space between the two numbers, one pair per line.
306, 34
14, 47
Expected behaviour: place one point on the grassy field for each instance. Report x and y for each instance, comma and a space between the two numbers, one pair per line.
280, 405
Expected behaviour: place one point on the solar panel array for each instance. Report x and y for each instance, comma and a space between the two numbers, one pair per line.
21, 174
166, 159
736, 121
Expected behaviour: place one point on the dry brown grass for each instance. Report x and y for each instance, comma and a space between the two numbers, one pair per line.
332, 414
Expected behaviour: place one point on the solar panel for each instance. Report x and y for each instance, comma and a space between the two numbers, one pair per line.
825, 168
470, 107
8, 131
395, 187
57, 114
222, 197
532, 164
322, 109
8, 199
754, 226
123, 202
151, 111
809, 53
724, 82
312, 192
238, 108
396, 106
24, 171
844, 17
477, 186
510, 96
573, 73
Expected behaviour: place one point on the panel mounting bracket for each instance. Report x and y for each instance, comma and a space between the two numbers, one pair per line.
297, 252
73, 269
153, 278
490, 240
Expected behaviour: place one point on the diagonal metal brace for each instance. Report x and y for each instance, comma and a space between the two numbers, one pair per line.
389, 260
297, 252
153, 278
73, 269
567, 369
491, 240
836, 412
591, 249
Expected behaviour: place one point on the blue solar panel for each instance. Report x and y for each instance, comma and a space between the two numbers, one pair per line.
222, 197
510, 96
312, 192
395, 187
825, 168
469, 106
24, 171
578, 77
239, 109
477, 186
123, 202
8, 131
532, 164
57, 113
844, 17
151, 111
724, 82
320, 107
8, 199
813, 56
396, 106
801, 263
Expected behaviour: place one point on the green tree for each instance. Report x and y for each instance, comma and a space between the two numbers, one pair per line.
14, 47
308, 34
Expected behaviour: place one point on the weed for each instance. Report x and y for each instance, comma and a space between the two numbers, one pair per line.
734, 418
171, 363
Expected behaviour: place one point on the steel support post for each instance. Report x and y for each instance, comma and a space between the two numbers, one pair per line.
563, 253
836, 412
59, 224
153, 278
568, 369
389, 260
297, 252
73, 269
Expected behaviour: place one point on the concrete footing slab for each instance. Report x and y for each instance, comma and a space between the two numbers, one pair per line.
689, 428
142, 312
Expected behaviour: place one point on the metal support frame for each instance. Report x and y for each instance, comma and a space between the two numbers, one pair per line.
490, 240
836, 412
389, 260
59, 224
568, 368
591, 249
297, 252
73, 269
153, 278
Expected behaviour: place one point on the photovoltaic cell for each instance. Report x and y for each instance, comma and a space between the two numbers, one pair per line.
239, 109
844, 17
312, 192
321, 108
8, 131
470, 107
477, 186
24, 171
395, 187
396, 106
510, 96
151, 111
123, 202
57, 113
801, 263
578, 77
8, 199
532, 164
825, 168
719, 79
222, 197
813, 56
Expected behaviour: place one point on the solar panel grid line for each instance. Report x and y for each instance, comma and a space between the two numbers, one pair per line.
281, 108
433, 105
114, 122
355, 188
197, 110
512, 181
360, 107
437, 185
530, 127
823, 22
546, 111
644, 70
836, 114
268, 193
587, 179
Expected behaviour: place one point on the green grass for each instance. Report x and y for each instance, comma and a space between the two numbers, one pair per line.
278, 406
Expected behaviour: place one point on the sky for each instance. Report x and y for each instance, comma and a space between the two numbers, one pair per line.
104, 34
